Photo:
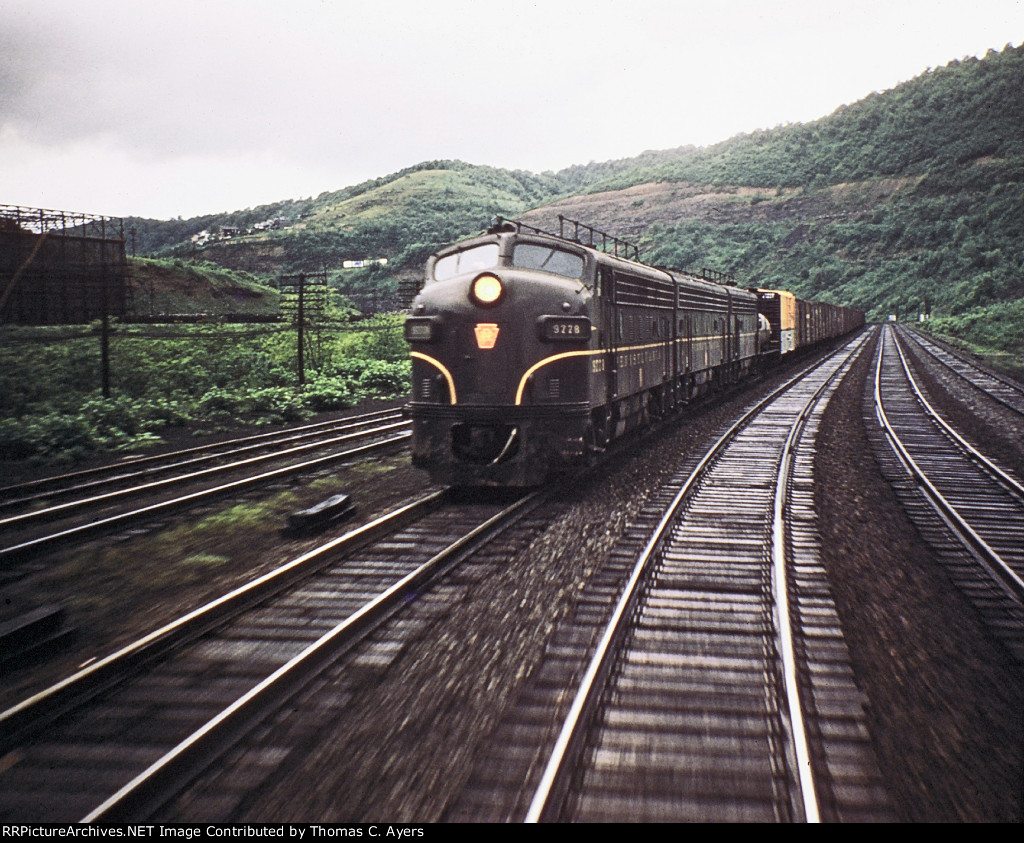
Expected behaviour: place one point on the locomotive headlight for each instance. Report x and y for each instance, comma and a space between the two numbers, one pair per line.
487, 290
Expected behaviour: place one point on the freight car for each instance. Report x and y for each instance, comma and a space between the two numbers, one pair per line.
797, 324
531, 351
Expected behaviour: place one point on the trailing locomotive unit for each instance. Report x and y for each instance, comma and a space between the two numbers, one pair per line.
531, 351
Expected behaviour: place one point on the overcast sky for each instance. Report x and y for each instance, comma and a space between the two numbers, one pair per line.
160, 109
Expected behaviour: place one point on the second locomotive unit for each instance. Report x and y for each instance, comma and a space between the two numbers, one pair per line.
531, 351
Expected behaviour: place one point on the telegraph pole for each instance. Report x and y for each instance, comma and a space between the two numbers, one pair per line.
302, 319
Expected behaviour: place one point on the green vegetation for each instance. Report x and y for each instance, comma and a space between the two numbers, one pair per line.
403, 217
935, 124
905, 255
174, 285
993, 332
196, 377
910, 201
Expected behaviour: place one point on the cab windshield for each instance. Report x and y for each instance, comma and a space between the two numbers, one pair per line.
547, 259
470, 260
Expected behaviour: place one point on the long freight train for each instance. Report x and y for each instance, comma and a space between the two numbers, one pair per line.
532, 351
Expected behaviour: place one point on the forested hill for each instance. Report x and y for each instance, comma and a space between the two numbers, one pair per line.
908, 201
941, 121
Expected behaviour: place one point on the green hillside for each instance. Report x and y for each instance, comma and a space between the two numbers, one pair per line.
402, 218
910, 201
176, 286
943, 120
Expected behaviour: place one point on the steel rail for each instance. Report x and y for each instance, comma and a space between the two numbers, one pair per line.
959, 525
185, 759
159, 463
1011, 484
56, 511
42, 707
780, 590
551, 789
39, 544
929, 345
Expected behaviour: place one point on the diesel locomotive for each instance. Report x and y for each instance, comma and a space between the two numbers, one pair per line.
532, 351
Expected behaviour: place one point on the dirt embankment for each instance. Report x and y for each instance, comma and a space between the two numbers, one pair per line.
629, 212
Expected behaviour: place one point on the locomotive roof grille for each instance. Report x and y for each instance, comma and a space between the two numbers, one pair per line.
643, 291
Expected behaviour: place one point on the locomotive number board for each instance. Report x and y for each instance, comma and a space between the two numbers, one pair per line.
562, 328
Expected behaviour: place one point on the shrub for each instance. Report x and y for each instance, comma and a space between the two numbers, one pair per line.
377, 377
217, 403
112, 422
51, 436
327, 393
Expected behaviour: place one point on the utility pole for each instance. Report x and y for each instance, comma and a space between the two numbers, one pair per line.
304, 300
105, 299
301, 326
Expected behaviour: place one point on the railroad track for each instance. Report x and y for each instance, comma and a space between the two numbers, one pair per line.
974, 510
39, 516
137, 469
998, 388
720, 688
116, 740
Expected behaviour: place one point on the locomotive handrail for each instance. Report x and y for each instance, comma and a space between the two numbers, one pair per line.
715, 276
577, 225
498, 223
724, 278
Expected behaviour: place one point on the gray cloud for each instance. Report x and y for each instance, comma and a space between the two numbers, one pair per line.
318, 95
